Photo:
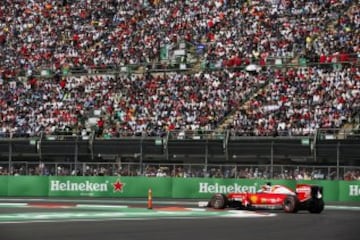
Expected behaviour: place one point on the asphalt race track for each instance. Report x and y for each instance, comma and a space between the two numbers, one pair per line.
332, 223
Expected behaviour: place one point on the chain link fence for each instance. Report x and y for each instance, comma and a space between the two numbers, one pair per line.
297, 172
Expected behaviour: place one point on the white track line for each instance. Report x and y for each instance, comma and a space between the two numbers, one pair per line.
101, 201
13, 204
334, 207
106, 202
99, 206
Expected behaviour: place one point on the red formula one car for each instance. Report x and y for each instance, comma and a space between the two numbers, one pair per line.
305, 197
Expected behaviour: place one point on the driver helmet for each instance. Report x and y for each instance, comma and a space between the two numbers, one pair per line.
267, 186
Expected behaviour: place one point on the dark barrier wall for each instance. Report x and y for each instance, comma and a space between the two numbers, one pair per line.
347, 150
239, 150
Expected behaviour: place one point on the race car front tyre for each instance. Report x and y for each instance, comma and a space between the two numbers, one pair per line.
316, 205
291, 204
218, 201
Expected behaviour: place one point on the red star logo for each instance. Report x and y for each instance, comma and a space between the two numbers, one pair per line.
118, 186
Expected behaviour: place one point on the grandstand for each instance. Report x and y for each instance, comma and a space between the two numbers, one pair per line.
166, 70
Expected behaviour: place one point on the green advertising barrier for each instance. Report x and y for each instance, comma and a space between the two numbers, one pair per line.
29, 186
4, 185
349, 191
126, 187
205, 187
109, 186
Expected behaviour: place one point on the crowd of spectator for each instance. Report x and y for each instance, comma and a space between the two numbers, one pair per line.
112, 105
56, 34
185, 171
300, 101
46, 34
296, 101
323, 91
286, 29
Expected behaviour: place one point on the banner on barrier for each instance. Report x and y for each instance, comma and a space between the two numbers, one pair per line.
108, 186
195, 188
28, 186
349, 191
205, 187
4, 185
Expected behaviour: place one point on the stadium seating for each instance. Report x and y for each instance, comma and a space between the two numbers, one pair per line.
307, 53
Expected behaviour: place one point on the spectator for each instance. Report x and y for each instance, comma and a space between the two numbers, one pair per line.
39, 35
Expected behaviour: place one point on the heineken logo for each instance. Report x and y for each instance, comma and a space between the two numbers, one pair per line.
354, 190
85, 186
205, 187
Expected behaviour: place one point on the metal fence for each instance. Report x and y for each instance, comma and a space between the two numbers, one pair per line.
329, 154
118, 168
334, 153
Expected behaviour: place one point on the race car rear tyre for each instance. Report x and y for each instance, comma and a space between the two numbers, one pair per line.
291, 204
218, 201
316, 206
